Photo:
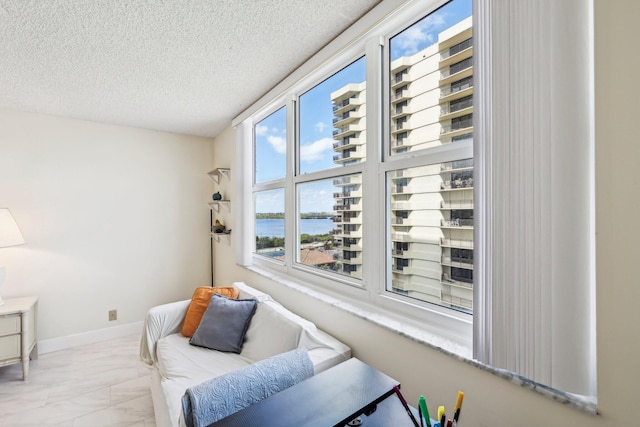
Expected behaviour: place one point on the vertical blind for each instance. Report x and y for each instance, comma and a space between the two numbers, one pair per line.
535, 296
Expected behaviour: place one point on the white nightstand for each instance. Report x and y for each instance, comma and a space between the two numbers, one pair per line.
18, 335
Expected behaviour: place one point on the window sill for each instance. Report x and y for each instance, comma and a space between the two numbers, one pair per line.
433, 341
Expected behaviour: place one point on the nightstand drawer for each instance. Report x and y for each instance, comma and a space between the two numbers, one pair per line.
9, 347
10, 325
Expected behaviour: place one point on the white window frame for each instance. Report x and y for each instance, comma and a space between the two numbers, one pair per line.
455, 329
370, 291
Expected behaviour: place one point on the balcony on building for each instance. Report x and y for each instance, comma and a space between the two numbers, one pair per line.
347, 180
398, 143
348, 156
447, 242
456, 108
457, 184
348, 96
401, 236
400, 77
400, 95
456, 204
347, 130
458, 280
356, 260
457, 262
451, 131
347, 117
398, 110
457, 166
348, 142
457, 223
397, 126
351, 243
399, 285
457, 301
456, 72
457, 52
351, 216
450, 93
399, 269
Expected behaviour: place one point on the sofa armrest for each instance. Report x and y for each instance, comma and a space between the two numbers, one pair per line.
159, 322
324, 350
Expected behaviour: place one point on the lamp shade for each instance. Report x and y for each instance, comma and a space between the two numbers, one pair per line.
10, 234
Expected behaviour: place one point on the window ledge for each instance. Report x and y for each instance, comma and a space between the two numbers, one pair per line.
407, 330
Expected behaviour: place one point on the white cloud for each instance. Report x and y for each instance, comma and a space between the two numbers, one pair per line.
316, 150
317, 197
278, 143
420, 35
320, 126
261, 130
270, 201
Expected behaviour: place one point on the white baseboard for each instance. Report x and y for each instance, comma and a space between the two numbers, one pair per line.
90, 337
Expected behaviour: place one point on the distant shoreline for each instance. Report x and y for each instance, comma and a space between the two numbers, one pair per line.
309, 215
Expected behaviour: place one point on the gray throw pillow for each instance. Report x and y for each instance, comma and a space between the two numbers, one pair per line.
224, 324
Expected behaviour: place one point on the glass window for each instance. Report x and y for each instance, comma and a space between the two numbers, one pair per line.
330, 224
270, 223
333, 120
430, 61
271, 147
418, 188
431, 215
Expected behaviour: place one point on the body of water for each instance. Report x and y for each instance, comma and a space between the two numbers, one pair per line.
275, 227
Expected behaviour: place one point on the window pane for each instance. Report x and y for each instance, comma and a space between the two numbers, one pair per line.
271, 147
332, 120
432, 233
431, 80
270, 223
330, 224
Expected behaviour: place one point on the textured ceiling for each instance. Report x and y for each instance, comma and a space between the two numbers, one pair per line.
183, 66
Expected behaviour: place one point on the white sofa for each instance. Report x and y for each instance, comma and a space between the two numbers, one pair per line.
176, 365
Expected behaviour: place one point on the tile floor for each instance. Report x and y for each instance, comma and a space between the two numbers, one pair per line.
102, 384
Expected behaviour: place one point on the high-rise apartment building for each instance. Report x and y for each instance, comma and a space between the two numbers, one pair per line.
431, 104
349, 109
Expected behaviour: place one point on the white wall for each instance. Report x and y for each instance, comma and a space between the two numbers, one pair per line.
489, 400
113, 217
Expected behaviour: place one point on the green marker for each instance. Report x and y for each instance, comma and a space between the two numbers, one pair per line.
422, 403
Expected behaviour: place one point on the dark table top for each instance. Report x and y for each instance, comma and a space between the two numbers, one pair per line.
331, 398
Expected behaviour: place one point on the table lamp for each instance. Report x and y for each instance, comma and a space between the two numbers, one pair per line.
10, 235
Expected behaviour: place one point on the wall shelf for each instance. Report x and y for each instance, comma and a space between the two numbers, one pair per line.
215, 205
218, 206
219, 172
222, 236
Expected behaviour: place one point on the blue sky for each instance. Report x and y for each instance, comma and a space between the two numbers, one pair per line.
316, 141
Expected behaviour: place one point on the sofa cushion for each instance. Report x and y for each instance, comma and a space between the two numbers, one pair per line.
182, 365
224, 324
200, 302
178, 360
270, 333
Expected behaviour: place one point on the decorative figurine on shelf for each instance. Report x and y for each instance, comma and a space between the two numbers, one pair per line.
217, 196
218, 227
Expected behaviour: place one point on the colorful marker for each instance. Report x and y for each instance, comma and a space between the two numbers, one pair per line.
406, 406
422, 404
441, 416
456, 411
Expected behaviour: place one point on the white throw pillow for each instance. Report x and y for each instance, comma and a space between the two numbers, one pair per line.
270, 333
